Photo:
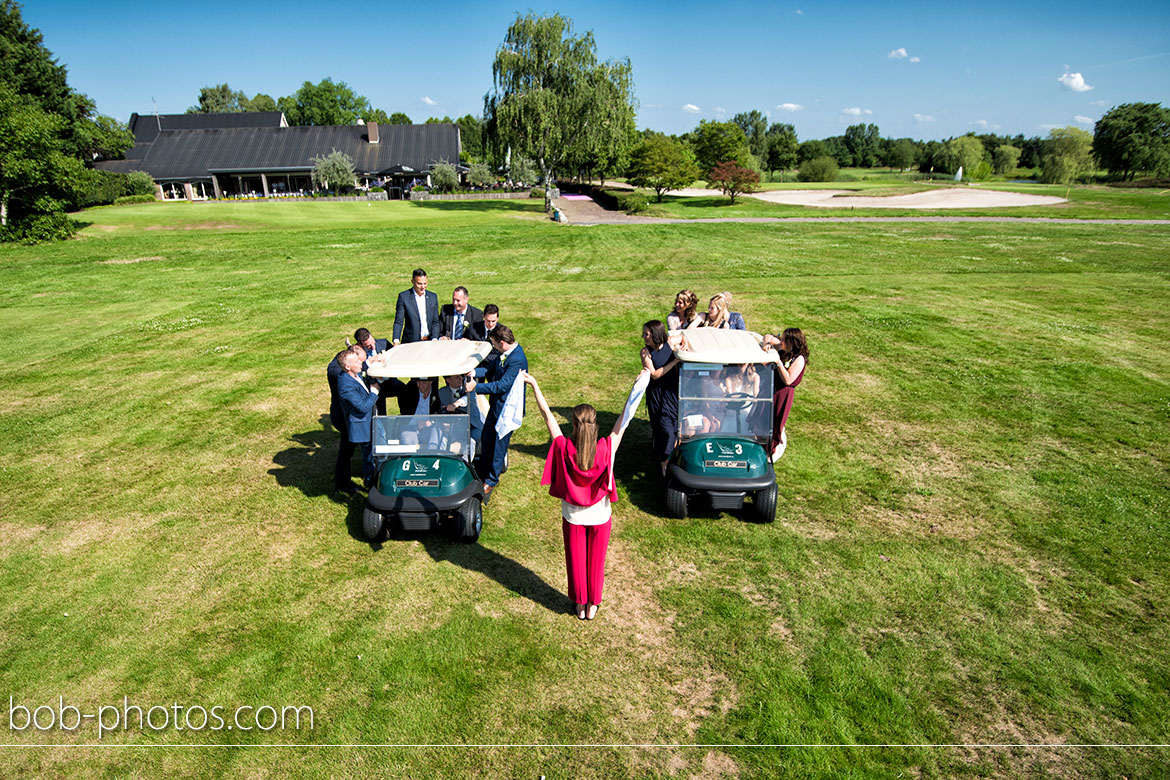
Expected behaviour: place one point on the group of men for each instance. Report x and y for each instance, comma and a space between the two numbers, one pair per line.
354, 396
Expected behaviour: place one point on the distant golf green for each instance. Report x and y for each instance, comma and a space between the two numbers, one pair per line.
970, 547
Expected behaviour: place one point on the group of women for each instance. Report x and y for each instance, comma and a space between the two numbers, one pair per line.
579, 468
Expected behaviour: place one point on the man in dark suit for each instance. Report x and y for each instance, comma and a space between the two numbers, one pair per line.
498, 377
458, 319
374, 346
416, 315
341, 475
357, 403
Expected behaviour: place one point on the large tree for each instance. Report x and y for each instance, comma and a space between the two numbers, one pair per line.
220, 99
755, 129
864, 144
471, 137
49, 133
662, 164
326, 103
552, 100
965, 152
782, 147
1134, 138
1068, 155
716, 142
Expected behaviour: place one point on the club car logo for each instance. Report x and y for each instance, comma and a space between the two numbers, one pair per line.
417, 471
724, 454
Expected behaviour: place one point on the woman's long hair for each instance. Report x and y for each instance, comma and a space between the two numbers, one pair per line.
585, 435
690, 301
721, 310
657, 332
792, 344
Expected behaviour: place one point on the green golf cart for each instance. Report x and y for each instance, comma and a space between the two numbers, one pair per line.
424, 478
725, 425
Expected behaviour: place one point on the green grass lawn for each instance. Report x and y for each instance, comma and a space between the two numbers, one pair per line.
971, 545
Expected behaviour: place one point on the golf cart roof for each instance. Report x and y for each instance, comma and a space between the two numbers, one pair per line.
716, 345
430, 358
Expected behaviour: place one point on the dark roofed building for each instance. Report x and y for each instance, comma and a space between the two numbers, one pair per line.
210, 155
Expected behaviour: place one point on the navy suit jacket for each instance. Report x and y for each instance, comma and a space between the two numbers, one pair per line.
358, 403
470, 318
379, 344
498, 379
333, 373
407, 327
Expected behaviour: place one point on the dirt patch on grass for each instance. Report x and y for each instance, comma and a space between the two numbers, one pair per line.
128, 261
195, 226
716, 765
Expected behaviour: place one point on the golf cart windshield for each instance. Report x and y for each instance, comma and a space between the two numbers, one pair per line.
429, 433
725, 400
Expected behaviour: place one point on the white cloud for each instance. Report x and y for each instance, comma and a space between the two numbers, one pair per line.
790, 107
691, 108
898, 54
855, 111
799, 12
719, 110
1048, 127
1075, 82
924, 118
651, 105
428, 101
916, 59
1100, 103
984, 124
1084, 120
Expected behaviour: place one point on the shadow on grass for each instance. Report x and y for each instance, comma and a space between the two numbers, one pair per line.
492, 206
514, 576
308, 464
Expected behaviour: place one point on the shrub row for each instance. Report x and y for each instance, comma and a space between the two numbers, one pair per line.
126, 200
100, 188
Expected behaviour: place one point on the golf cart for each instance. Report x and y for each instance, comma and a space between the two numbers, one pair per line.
724, 424
424, 476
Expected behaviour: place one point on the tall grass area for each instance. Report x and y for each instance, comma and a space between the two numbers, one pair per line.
970, 548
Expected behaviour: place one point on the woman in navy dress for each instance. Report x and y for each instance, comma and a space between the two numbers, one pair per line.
662, 392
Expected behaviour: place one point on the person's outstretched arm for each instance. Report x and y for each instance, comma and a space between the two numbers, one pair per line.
554, 429
615, 436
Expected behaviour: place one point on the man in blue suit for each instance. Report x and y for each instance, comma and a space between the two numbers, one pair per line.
357, 402
416, 315
499, 375
333, 372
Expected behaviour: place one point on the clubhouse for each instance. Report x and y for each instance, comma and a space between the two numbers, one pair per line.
257, 154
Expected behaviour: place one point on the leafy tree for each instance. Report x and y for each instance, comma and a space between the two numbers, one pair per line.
716, 142
1068, 155
471, 136
965, 152
444, 177
522, 171
327, 103
481, 175
35, 174
810, 150
864, 144
662, 164
336, 169
49, 134
818, 169
782, 147
1134, 138
755, 127
261, 102
398, 118
551, 100
220, 99
840, 151
434, 120
1005, 158
376, 115
930, 156
901, 153
732, 179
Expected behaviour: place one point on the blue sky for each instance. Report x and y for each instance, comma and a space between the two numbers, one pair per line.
917, 69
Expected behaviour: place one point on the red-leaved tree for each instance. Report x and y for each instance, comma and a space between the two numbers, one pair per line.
731, 178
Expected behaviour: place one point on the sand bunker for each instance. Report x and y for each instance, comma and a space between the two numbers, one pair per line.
941, 198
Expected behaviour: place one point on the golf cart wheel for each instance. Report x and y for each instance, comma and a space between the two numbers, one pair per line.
373, 524
764, 504
469, 520
676, 501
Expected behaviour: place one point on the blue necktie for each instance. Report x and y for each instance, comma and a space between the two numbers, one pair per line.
458, 325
